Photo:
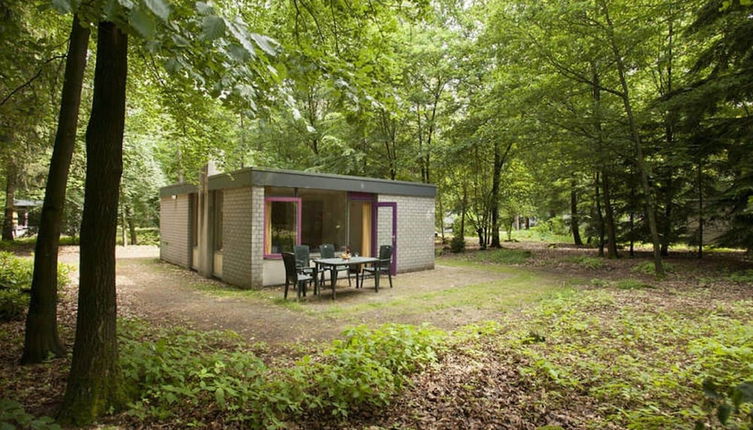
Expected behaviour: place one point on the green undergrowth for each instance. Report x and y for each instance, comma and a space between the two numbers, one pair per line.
185, 377
15, 284
644, 363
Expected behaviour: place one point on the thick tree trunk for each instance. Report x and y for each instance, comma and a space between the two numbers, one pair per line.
574, 219
636, 138
10, 195
599, 215
41, 338
609, 217
94, 384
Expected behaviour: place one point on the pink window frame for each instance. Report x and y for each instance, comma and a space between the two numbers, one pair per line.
297, 201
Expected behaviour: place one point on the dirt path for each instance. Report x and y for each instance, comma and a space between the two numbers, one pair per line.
166, 294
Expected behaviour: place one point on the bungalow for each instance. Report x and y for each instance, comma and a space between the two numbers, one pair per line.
234, 226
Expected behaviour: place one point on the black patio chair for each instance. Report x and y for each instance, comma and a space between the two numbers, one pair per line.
292, 276
383, 265
327, 250
303, 259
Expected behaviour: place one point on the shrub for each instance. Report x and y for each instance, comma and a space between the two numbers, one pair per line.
13, 415
601, 283
15, 283
211, 373
457, 244
648, 268
586, 262
148, 236
13, 303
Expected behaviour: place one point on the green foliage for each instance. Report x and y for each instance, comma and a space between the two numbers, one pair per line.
457, 244
211, 372
13, 304
586, 262
648, 268
601, 283
13, 415
15, 272
645, 364
15, 283
735, 400
499, 256
742, 276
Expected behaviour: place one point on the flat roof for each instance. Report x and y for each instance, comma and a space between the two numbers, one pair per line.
257, 176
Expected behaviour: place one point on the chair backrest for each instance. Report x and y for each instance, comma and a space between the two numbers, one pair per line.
327, 250
301, 255
291, 274
385, 255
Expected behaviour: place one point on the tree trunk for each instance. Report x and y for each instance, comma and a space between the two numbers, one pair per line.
94, 384
609, 217
41, 338
495, 196
131, 225
10, 195
636, 138
574, 219
123, 227
700, 209
599, 215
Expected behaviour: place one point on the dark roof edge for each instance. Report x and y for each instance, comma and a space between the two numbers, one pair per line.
175, 189
257, 176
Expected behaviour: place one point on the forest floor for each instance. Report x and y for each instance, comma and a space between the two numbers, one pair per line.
543, 335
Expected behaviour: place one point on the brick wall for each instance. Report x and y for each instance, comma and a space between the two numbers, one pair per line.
174, 230
257, 236
236, 237
415, 232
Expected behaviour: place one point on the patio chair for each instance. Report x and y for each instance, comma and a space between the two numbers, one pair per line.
292, 276
383, 265
327, 250
303, 259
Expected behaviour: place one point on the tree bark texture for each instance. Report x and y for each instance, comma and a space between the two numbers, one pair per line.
609, 217
11, 174
94, 383
599, 215
41, 339
574, 219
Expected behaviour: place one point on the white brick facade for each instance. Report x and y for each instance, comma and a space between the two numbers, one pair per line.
175, 230
415, 232
236, 237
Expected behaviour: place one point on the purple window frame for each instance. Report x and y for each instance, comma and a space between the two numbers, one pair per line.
297, 201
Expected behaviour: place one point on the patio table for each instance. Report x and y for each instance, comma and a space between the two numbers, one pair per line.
333, 262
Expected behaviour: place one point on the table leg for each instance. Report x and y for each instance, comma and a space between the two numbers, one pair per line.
334, 281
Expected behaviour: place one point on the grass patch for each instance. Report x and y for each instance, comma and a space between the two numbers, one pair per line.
498, 256
648, 268
586, 262
632, 284
742, 276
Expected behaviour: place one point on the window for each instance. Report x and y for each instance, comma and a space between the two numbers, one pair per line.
314, 217
325, 218
282, 220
